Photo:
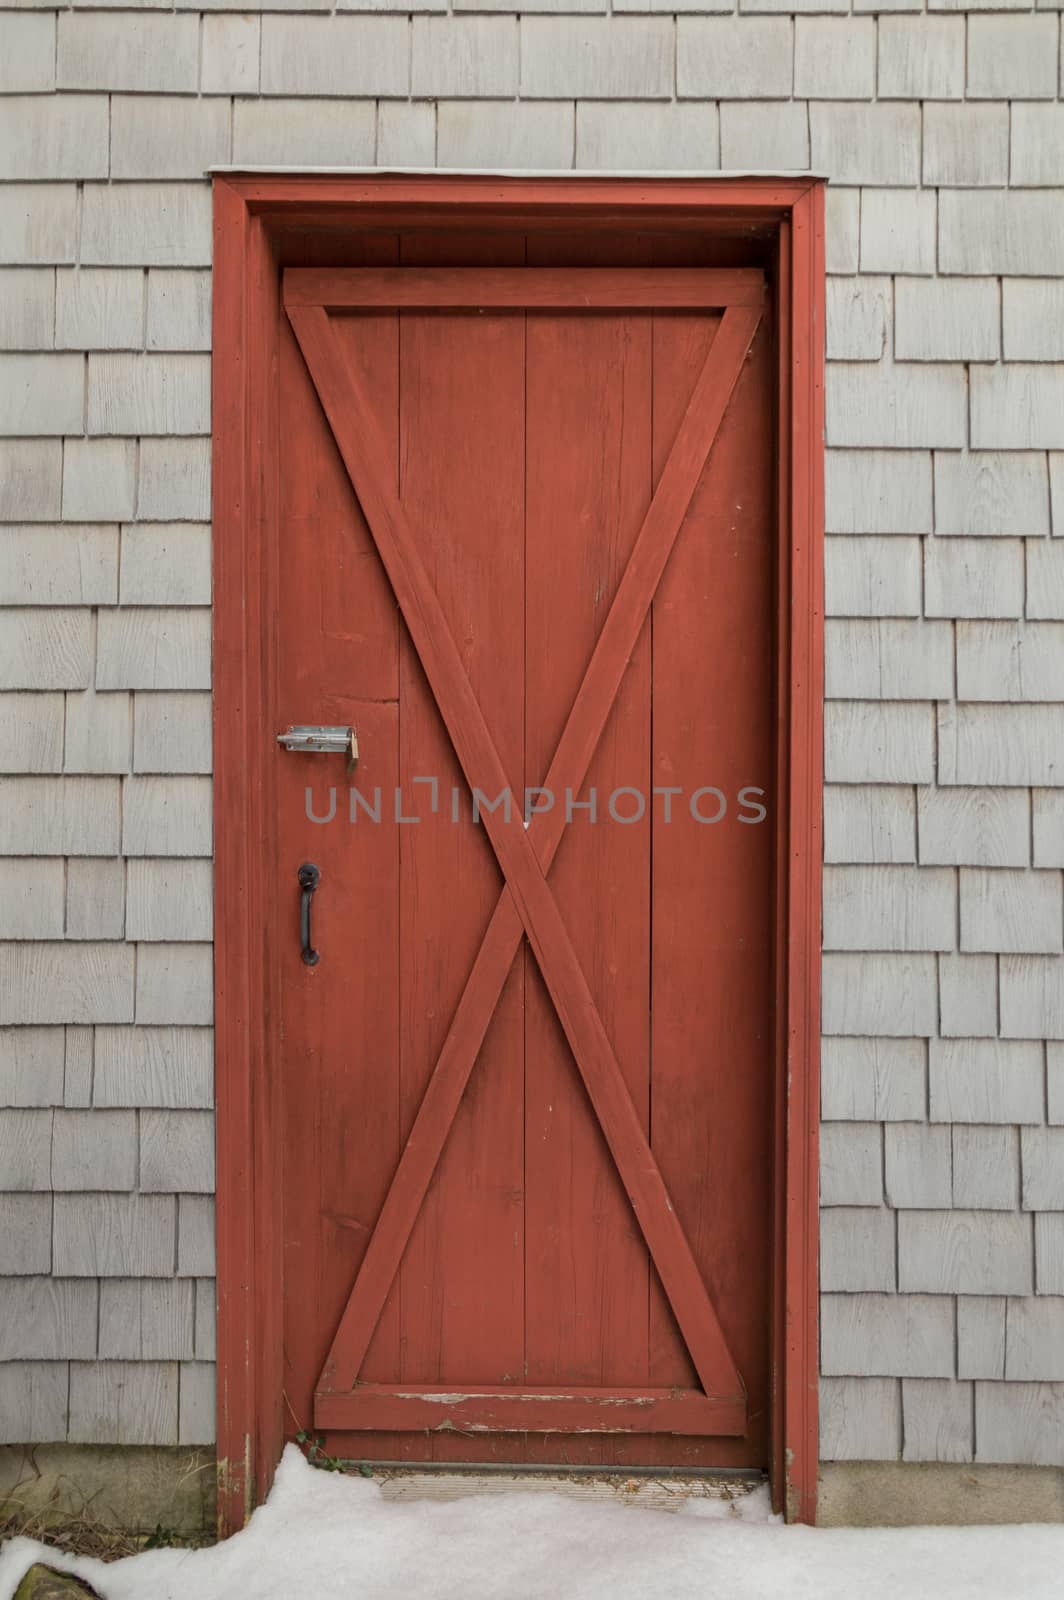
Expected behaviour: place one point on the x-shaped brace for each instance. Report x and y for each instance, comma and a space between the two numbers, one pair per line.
526, 904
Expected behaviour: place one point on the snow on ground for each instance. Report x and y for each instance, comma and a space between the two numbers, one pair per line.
331, 1536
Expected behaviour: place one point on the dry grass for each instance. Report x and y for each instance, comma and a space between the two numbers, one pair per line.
85, 1536
88, 1535
85, 1529
79, 1536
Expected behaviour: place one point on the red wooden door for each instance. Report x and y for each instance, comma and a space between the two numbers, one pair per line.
527, 553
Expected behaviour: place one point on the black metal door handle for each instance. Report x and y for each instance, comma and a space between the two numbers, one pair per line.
309, 878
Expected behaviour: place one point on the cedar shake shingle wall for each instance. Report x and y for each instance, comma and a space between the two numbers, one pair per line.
943, 1072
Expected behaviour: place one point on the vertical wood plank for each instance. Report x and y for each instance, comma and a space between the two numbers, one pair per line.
338, 664
712, 925
462, 470
589, 425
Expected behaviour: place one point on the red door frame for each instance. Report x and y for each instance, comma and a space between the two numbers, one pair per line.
252, 213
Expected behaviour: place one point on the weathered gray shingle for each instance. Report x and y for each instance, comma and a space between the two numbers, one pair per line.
1021, 1422
857, 1249
170, 1067
980, 1336
851, 1164
869, 823
968, 996
94, 1150
860, 1419
177, 1152
918, 1166
175, 984
25, 1234
48, 1319
146, 1319
66, 983
33, 1401
873, 1080
964, 1252
1043, 1168
31, 1066
123, 1402
114, 1235
195, 1236
986, 1080
937, 1420
986, 1168
197, 1382
146, 51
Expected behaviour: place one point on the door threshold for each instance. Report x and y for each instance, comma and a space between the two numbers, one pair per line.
656, 1489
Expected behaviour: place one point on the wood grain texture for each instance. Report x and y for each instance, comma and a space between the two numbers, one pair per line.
589, 385
176, 1152
974, 827
461, 406
66, 983
150, 1320
964, 1252
169, 900
31, 1066
32, 895
532, 288
197, 1383
866, 1335
154, 1067
345, 669
1021, 1422
95, 898
48, 1319
45, 649
171, 732
78, 1066
196, 1235
94, 1150
31, 732
154, 648
114, 1236
33, 1401
65, 566
206, 1319
59, 816
123, 1402
25, 1234
937, 1420
173, 984
482, 1411
869, 823
858, 1415
167, 816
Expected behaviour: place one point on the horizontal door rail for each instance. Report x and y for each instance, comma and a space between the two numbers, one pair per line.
462, 1408
527, 288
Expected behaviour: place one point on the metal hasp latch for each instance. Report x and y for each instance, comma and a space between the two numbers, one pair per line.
313, 738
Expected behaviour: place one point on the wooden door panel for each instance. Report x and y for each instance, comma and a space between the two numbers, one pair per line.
712, 889
338, 648
516, 457
327, 553
589, 475
462, 444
